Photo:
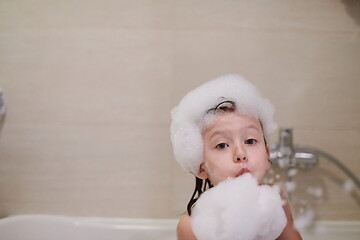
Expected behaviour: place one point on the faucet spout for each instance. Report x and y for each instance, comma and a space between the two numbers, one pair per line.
288, 156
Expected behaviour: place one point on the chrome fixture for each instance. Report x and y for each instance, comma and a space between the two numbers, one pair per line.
289, 156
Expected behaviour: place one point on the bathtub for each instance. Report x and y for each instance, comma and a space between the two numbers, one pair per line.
44, 227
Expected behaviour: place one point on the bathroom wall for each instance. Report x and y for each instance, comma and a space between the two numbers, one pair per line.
89, 86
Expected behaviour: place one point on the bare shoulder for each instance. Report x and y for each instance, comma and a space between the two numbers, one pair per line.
183, 230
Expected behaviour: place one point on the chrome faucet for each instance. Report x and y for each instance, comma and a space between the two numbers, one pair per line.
288, 156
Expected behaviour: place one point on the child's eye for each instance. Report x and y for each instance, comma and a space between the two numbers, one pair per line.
222, 145
250, 141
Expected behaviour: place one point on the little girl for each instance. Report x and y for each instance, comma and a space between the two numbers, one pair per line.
218, 131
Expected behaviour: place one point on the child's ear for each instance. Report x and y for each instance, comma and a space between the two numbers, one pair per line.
202, 172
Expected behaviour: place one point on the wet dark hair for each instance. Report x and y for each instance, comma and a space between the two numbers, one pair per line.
201, 185
224, 106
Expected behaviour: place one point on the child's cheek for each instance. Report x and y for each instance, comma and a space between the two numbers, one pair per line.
215, 174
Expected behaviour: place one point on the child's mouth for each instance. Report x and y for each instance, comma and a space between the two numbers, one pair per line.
242, 171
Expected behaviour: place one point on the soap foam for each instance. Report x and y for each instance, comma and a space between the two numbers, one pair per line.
238, 208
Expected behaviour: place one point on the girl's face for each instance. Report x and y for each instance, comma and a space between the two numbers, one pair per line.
233, 145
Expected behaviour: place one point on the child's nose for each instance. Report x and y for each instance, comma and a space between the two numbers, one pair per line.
238, 159
240, 155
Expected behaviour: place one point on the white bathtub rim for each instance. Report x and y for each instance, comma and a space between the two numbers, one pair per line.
154, 223
103, 222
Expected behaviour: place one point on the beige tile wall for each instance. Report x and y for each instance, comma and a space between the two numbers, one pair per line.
89, 86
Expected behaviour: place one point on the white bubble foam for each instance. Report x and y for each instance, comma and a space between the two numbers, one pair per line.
304, 219
238, 208
348, 186
315, 191
283, 162
292, 172
268, 180
290, 186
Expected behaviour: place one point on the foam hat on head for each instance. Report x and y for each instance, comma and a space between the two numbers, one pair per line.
188, 116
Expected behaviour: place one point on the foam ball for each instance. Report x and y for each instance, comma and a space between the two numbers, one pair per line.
239, 208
